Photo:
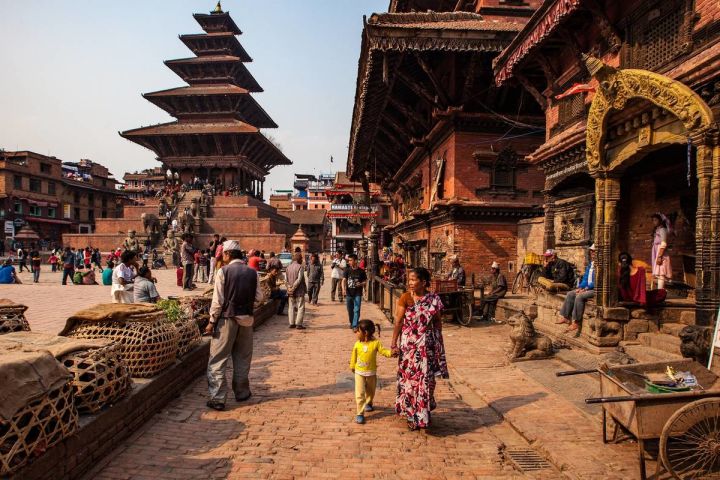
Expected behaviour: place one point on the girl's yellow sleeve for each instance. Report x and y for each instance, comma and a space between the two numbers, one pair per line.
383, 351
353, 358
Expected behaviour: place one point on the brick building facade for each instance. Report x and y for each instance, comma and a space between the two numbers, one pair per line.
148, 182
638, 136
444, 143
54, 197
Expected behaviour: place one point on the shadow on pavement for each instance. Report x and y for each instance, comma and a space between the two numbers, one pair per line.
505, 404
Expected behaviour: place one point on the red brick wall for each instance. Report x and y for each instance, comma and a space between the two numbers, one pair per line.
643, 195
530, 238
480, 244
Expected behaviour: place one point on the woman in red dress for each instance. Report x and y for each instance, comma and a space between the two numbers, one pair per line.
631, 284
417, 338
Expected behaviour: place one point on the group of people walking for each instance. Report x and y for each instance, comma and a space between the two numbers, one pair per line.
416, 339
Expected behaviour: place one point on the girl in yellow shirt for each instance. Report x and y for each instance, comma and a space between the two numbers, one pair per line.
363, 363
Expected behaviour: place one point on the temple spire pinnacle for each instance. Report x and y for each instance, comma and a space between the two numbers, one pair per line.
218, 8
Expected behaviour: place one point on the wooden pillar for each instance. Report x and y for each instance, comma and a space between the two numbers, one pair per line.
549, 233
262, 189
707, 228
607, 194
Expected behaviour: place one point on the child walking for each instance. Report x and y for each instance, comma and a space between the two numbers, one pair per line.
363, 363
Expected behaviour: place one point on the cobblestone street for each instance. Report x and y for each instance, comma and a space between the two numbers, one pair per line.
299, 422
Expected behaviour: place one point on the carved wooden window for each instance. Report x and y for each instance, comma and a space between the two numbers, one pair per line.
504, 169
656, 35
570, 110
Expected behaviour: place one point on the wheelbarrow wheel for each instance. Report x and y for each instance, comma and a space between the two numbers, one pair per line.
690, 440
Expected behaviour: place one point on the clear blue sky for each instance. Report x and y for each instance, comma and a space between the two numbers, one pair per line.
73, 73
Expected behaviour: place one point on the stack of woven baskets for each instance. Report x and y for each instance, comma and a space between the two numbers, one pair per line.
36, 406
148, 342
12, 317
197, 307
100, 375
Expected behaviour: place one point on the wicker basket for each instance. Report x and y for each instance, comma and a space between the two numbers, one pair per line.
101, 377
12, 317
197, 307
148, 343
189, 333
36, 427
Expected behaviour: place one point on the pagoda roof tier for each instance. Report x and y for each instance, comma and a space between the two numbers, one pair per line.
208, 100
214, 69
221, 43
231, 138
217, 22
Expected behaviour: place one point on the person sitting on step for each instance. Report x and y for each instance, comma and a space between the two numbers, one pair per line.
558, 275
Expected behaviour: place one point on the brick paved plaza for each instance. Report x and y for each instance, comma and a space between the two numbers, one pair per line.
299, 422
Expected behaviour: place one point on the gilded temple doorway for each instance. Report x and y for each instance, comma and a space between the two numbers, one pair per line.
658, 182
677, 115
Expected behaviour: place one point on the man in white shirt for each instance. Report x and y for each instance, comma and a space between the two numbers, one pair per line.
237, 289
338, 267
122, 278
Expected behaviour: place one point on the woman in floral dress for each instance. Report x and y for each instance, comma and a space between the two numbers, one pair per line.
417, 338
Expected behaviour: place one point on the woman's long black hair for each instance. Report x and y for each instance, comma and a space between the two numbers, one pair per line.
662, 222
625, 263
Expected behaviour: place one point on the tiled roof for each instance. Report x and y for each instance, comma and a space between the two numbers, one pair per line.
443, 21
542, 24
225, 89
306, 217
175, 128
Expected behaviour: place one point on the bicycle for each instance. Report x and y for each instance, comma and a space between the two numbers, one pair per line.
527, 277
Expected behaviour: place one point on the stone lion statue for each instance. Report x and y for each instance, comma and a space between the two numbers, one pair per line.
187, 223
131, 243
696, 342
525, 342
162, 207
151, 223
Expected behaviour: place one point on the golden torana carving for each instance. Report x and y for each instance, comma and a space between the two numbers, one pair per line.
617, 87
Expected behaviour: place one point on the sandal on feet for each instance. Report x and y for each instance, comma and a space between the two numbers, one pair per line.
215, 405
369, 407
360, 419
562, 321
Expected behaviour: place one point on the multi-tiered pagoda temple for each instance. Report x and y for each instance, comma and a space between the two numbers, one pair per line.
217, 132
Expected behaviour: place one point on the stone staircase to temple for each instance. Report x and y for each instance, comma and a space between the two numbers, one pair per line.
186, 201
656, 346
243, 218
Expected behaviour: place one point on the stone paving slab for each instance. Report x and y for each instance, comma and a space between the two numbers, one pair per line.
299, 422
570, 437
